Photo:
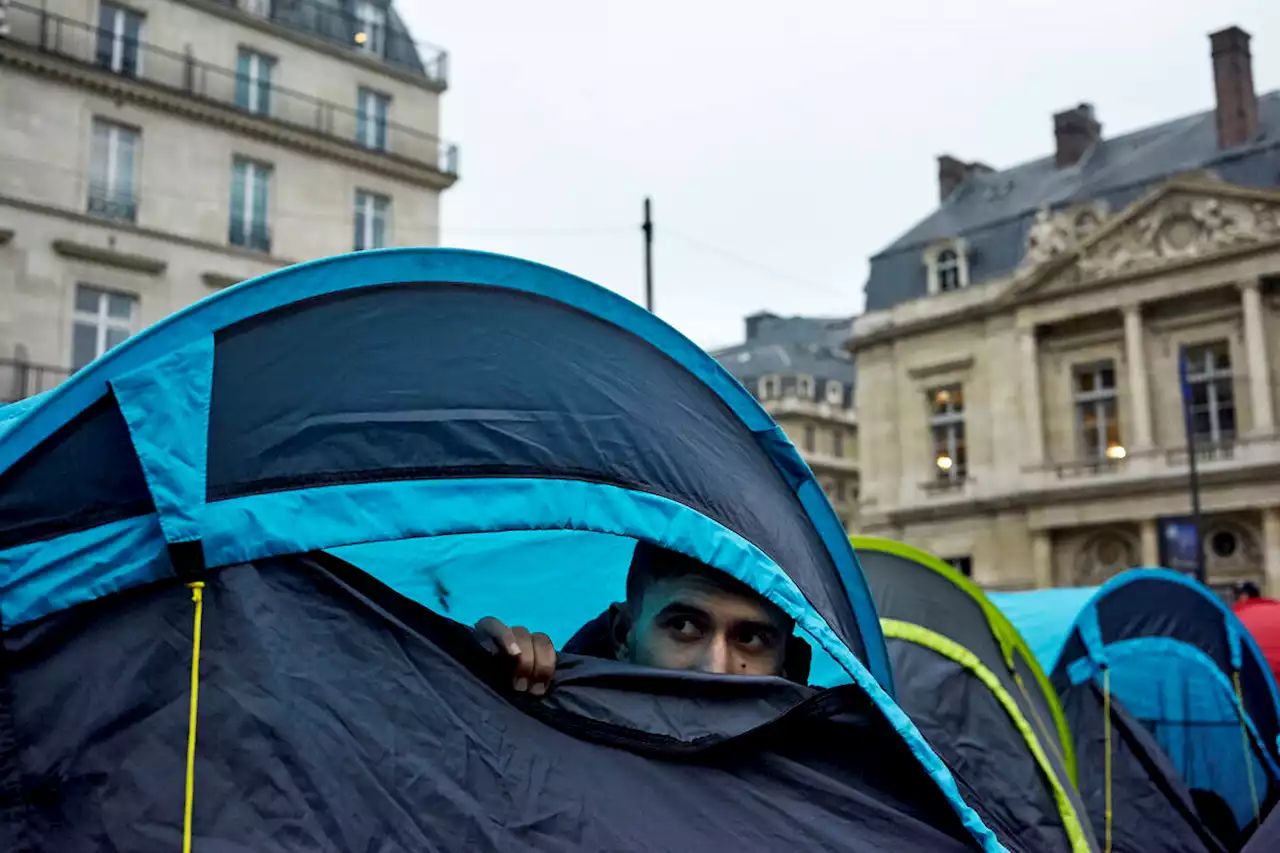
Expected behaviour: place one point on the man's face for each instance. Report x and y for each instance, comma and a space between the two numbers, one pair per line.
691, 623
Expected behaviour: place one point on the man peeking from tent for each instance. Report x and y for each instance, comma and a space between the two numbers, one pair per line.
679, 614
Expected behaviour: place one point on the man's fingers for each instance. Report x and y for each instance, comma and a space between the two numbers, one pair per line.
500, 633
544, 667
525, 662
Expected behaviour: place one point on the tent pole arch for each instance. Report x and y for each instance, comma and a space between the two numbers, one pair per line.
909, 632
1005, 633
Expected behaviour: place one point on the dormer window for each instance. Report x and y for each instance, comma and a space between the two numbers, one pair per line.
371, 27
948, 266
769, 387
805, 388
835, 393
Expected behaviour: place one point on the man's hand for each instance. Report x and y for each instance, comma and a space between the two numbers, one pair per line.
534, 655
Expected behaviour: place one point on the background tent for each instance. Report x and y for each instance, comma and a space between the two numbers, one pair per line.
975, 690
1186, 670
1261, 616
454, 399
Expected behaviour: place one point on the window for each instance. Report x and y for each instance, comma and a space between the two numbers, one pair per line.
837, 443
119, 32
840, 493
769, 387
835, 393
113, 156
1211, 401
372, 212
946, 422
371, 27
1097, 422
805, 388
260, 8
963, 565
371, 119
101, 320
250, 185
253, 82
948, 265
810, 437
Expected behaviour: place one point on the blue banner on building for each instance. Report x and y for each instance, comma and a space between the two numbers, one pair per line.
1179, 544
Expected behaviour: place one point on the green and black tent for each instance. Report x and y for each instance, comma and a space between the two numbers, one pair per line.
974, 689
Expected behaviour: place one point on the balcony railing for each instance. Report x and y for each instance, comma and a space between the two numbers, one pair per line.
339, 25
113, 204
182, 72
21, 379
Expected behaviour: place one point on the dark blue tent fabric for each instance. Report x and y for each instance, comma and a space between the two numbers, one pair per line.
404, 394
1174, 652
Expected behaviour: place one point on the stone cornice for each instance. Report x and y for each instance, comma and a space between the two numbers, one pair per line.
110, 257
218, 115
1097, 488
130, 228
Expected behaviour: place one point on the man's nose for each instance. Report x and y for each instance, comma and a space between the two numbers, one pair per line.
715, 656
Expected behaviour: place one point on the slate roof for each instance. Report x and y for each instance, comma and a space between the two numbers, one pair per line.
994, 211
791, 346
335, 20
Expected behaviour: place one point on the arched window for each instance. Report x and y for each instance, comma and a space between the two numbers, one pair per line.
948, 265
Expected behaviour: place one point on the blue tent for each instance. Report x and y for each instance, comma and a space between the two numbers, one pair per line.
1175, 660
343, 460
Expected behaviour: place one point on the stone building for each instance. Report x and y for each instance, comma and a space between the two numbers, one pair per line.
154, 151
798, 368
1018, 368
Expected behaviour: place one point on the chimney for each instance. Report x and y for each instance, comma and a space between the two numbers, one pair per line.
1237, 108
758, 323
1074, 131
952, 173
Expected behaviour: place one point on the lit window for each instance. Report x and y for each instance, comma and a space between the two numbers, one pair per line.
250, 189
119, 36
371, 119
372, 213
946, 423
113, 155
371, 27
102, 319
1211, 398
1097, 421
254, 72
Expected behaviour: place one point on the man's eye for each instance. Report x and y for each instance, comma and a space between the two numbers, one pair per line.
684, 628
756, 641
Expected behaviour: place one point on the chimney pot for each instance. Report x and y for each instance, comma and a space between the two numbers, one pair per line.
1237, 103
953, 172
1075, 131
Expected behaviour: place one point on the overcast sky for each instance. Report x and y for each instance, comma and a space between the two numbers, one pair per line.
782, 143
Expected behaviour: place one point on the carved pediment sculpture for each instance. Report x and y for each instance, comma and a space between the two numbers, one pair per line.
1179, 227
1054, 233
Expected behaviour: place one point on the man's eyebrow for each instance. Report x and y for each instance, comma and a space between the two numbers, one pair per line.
760, 625
682, 608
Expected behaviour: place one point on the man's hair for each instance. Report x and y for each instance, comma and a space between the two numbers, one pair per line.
1248, 589
651, 563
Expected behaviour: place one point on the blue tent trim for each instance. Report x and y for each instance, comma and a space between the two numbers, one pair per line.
394, 266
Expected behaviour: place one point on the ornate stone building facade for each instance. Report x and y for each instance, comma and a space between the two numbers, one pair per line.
1027, 416
799, 370
154, 151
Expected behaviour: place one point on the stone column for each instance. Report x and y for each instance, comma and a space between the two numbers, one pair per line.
1255, 345
1032, 413
1150, 543
1139, 394
1042, 558
1271, 550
